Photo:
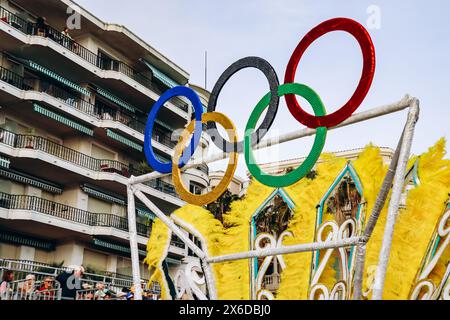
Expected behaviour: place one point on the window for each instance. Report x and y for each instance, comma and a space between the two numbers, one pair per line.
124, 266
195, 188
105, 61
94, 261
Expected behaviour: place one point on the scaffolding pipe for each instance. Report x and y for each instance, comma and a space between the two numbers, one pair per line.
358, 117
180, 234
134, 245
394, 203
261, 253
370, 226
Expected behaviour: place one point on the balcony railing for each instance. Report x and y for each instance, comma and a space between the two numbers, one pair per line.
203, 168
101, 112
78, 158
30, 28
20, 202
62, 152
22, 268
13, 78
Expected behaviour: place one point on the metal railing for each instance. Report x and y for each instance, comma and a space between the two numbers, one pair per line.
104, 112
32, 290
13, 78
62, 152
203, 168
112, 281
99, 111
55, 209
162, 186
15, 21
67, 42
78, 158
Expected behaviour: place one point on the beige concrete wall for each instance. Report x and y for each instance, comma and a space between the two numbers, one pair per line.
9, 251
98, 206
71, 253
11, 187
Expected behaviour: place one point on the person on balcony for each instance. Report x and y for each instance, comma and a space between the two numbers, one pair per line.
27, 288
8, 277
101, 292
47, 290
71, 282
41, 27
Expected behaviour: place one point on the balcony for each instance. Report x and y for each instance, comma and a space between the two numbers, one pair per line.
58, 210
92, 58
98, 111
13, 79
113, 280
62, 152
99, 165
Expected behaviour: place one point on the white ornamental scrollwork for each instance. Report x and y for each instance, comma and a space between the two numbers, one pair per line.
425, 288
335, 233
268, 241
446, 292
189, 280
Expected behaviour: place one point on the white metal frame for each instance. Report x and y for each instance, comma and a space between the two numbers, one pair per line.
394, 178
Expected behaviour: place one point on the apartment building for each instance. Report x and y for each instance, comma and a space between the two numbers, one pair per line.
72, 115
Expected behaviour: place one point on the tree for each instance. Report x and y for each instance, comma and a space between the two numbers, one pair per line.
222, 205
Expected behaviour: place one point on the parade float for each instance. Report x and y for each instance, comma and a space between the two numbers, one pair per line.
359, 229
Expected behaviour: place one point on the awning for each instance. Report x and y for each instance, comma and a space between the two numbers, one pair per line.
58, 78
108, 95
62, 119
102, 195
4, 162
116, 247
30, 180
123, 140
26, 241
144, 212
164, 125
166, 80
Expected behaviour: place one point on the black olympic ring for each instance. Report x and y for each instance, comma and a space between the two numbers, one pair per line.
269, 72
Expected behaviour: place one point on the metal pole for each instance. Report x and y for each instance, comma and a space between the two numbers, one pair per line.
261, 253
394, 203
379, 204
134, 245
358, 117
180, 234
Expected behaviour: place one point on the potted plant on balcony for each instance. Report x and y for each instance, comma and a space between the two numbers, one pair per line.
143, 167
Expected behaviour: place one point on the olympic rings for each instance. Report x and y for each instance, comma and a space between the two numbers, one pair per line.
286, 180
204, 199
198, 110
319, 121
368, 50
272, 78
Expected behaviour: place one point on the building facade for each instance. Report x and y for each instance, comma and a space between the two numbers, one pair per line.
73, 107
280, 167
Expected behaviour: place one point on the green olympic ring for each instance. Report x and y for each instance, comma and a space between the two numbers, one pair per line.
321, 134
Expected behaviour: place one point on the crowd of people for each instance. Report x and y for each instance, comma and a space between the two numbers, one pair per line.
68, 285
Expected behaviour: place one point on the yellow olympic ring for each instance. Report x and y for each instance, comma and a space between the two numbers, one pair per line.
204, 199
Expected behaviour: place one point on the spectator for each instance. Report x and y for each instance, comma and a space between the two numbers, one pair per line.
47, 291
70, 282
8, 276
101, 291
28, 287
66, 33
41, 27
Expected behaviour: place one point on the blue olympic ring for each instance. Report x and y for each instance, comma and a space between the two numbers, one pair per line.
166, 167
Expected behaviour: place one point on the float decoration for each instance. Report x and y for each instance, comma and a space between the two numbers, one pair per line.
319, 125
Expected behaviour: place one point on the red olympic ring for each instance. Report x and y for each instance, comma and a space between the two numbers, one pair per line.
368, 50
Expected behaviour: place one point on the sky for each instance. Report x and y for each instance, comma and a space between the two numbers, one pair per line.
412, 43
